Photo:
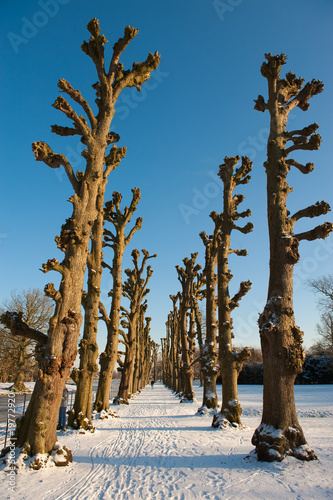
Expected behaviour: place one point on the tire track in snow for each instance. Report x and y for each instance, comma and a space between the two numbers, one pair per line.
150, 453
93, 470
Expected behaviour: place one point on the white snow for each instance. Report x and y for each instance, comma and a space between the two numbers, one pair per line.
160, 449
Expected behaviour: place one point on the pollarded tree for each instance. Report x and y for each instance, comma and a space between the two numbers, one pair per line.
155, 347
173, 323
36, 432
231, 361
135, 290
139, 348
36, 310
143, 353
186, 276
118, 241
209, 355
281, 340
80, 415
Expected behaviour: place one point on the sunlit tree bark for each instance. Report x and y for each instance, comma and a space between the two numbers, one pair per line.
231, 361
117, 240
134, 289
36, 431
209, 355
186, 276
281, 339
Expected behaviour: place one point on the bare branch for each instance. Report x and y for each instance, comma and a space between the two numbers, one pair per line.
119, 47
319, 208
53, 265
319, 232
77, 97
80, 122
113, 159
303, 143
13, 321
244, 287
138, 75
102, 310
305, 169
44, 153
261, 105
95, 49
301, 100
246, 229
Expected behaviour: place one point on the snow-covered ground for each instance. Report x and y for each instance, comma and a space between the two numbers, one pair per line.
159, 449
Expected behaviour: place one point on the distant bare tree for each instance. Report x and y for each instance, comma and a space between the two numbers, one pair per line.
135, 290
116, 239
186, 276
18, 353
323, 288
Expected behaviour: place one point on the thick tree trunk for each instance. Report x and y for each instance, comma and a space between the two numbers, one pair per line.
280, 432
36, 431
80, 415
109, 357
231, 409
187, 370
125, 389
230, 361
209, 355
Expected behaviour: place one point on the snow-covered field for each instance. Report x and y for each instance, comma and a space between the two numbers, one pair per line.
159, 449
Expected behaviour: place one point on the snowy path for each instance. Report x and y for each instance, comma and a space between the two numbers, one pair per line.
158, 449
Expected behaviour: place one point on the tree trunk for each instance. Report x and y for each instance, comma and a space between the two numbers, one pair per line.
125, 389
187, 370
209, 355
80, 415
36, 431
281, 340
21, 365
230, 361
119, 241
134, 289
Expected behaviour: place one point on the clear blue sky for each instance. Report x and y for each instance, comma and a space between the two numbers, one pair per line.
196, 109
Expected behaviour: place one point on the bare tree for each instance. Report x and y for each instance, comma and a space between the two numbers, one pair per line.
36, 432
80, 415
281, 340
135, 290
186, 277
175, 348
36, 310
117, 240
323, 287
209, 352
231, 361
